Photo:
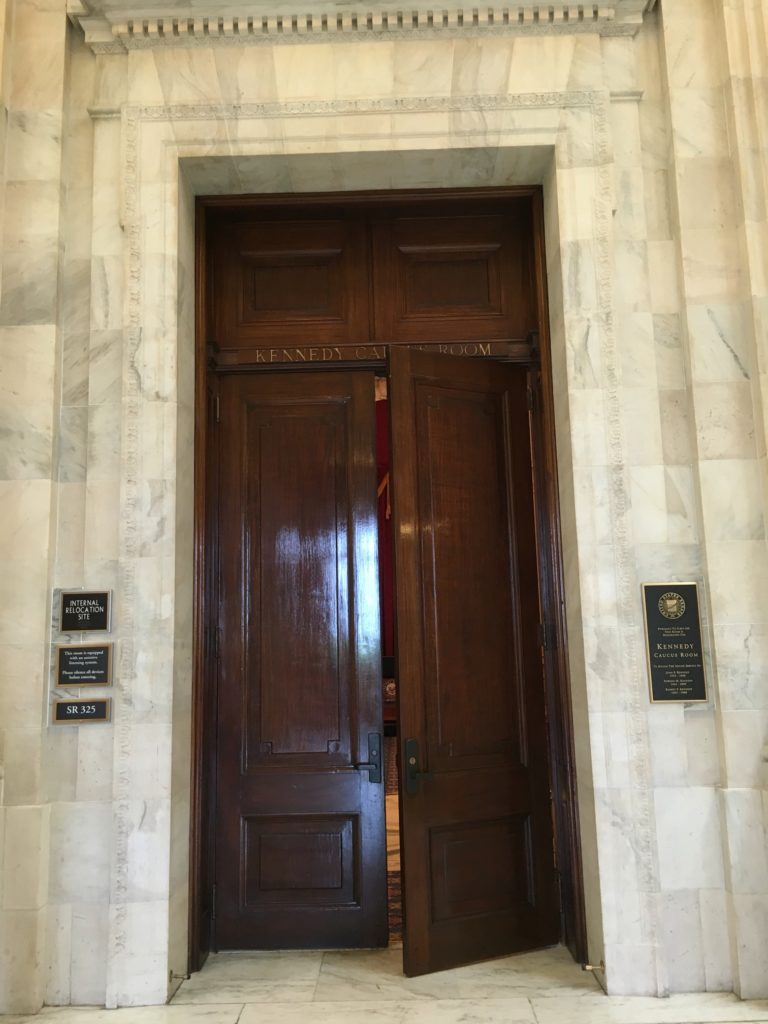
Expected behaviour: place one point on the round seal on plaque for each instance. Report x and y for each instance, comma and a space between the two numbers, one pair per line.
671, 605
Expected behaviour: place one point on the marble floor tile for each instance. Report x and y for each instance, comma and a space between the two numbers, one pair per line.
545, 972
196, 992
292, 965
433, 1011
132, 1015
355, 986
248, 977
378, 974
708, 1008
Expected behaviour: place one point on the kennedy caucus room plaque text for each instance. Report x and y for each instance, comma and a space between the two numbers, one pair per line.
673, 637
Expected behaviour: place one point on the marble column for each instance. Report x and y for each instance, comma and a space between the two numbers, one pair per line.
745, 715
34, 68
79, 760
684, 911
5, 75
714, 52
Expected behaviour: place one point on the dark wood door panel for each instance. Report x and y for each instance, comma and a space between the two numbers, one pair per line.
481, 868
470, 645
479, 872
303, 861
300, 829
452, 278
302, 281
297, 654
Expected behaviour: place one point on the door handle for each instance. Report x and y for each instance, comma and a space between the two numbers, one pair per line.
373, 764
412, 772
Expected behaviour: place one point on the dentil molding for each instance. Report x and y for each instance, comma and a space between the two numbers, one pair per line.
110, 27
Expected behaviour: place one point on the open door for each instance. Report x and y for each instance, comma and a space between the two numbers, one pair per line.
478, 863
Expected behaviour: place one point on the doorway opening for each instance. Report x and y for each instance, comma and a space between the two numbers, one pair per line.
388, 663
321, 660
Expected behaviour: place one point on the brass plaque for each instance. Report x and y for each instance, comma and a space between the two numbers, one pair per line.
673, 643
85, 611
77, 712
84, 665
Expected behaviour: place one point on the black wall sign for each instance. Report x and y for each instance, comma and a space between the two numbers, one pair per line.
673, 635
84, 610
72, 712
85, 665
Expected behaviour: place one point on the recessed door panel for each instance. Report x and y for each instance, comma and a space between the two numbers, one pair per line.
452, 278
470, 641
297, 521
482, 867
289, 281
303, 861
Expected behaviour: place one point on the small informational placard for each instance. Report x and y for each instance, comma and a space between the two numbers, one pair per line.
84, 665
673, 637
75, 712
85, 611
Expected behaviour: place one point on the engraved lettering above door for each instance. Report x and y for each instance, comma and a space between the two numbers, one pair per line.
325, 284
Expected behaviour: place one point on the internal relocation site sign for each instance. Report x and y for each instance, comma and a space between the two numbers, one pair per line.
673, 640
85, 611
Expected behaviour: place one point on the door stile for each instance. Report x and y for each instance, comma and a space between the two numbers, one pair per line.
551, 574
409, 657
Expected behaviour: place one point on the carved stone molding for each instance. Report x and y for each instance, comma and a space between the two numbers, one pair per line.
115, 29
636, 831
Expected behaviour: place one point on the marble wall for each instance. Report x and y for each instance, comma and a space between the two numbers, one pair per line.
651, 152
34, 58
718, 176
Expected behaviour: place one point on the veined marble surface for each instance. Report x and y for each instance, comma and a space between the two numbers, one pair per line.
544, 987
651, 155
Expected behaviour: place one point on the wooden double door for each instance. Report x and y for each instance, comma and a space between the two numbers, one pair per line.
300, 849
289, 787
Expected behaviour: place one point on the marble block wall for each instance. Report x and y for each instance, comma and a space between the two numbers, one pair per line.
720, 190
718, 174
6, 24
79, 760
34, 59
651, 153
